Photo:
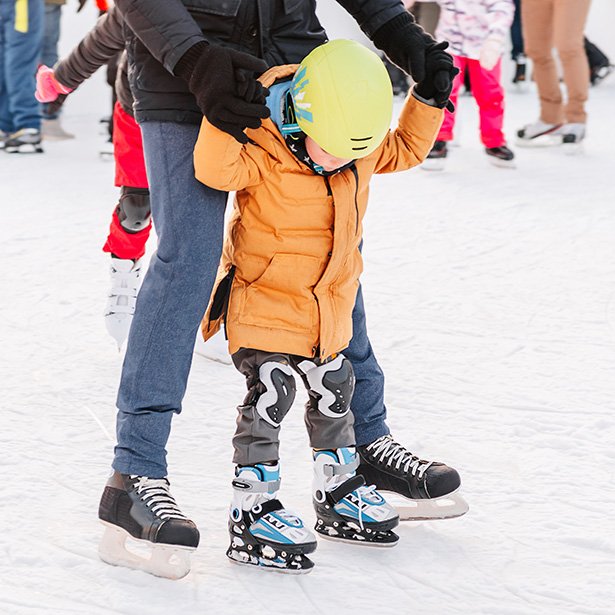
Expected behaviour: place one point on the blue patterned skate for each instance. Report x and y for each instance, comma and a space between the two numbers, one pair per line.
263, 533
345, 508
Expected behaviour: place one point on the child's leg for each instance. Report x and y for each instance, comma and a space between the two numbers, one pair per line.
262, 532
489, 96
345, 508
446, 130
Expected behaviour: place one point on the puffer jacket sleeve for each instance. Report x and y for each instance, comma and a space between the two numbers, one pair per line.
501, 13
101, 43
372, 14
221, 162
165, 27
408, 145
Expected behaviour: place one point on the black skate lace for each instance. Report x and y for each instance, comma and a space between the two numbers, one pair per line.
155, 494
393, 453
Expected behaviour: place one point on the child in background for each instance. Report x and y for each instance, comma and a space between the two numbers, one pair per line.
289, 278
476, 31
131, 221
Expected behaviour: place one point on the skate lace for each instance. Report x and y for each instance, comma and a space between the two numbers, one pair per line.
395, 455
155, 494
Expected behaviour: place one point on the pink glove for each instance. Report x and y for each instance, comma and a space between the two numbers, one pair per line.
48, 88
491, 52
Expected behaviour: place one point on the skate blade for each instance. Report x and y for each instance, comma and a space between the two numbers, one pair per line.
170, 562
550, 140
23, 149
356, 541
262, 563
502, 164
573, 149
447, 506
433, 164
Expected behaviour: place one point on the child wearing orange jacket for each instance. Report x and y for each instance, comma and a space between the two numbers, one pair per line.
288, 282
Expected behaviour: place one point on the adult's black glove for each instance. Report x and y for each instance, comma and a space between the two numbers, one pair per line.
404, 42
439, 76
225, 87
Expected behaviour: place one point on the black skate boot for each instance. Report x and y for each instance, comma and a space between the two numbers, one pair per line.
346, 509
520, 70
427, 489
501, 156
436, 157
263, 533
24, 141
143, 509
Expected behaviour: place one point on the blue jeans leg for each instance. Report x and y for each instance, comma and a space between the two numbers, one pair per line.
19, 55
368, 399
49, 52
189, 219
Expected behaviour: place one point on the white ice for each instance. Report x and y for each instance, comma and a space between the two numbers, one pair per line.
491, 304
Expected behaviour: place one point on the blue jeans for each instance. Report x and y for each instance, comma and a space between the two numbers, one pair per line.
19, 54
189, 220
516, 33
49, 51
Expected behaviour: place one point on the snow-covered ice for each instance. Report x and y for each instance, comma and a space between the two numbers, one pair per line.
491, 305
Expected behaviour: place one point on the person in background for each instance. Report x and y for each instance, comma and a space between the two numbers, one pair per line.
21, 38
517, 52
560, 24
476, 31
131, 221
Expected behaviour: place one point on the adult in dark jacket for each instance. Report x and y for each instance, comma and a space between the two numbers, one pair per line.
189, 58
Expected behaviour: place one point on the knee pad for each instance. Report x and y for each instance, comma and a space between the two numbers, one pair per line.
331, 385
274, 403
133, 209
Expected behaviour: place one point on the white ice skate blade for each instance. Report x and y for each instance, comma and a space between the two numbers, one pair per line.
573, 149
433, 164
502, 164
445, 507
360, 543
170, 562
549, 140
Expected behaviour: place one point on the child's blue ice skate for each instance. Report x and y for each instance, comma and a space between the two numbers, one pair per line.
345, 508
263, 533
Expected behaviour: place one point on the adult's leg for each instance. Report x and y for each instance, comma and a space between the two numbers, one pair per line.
368, 400
22, 54
569, 21
537, 22
489, 96
189, 222
516, 34
6, 120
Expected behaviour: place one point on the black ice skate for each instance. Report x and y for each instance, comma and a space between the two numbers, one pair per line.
143, 511
263, 533
24, 141
426, 489
436, 157
520, 75
346, 509
501, 156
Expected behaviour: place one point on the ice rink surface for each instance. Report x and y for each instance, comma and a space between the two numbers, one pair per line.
491, 305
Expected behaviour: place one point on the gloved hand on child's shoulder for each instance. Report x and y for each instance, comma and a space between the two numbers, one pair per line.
224, 84
440, 73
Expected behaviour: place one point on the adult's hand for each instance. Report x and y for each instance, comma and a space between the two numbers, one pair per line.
224, 84
405, 43
439, 76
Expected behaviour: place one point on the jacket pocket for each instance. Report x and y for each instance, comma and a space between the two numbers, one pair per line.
282, 297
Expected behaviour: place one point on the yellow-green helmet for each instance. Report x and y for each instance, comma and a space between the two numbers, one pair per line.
343, 98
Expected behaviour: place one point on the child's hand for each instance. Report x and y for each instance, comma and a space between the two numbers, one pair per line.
490, 52
439, 76
48, 88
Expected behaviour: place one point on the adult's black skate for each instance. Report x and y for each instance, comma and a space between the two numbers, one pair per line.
424, 489
263, 533
345, 508
142, 510
24, 141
